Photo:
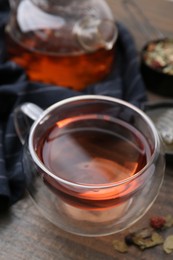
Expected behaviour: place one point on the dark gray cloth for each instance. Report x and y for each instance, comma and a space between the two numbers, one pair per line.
124, 82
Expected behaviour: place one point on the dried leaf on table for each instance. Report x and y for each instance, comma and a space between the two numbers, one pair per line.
168, 245
168, 221
120, 246
146, 238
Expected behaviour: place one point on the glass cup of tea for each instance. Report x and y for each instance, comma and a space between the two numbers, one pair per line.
93, 164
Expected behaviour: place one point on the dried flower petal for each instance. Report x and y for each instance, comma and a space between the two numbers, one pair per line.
148, 237
168, 221
157, 239
144, 238
143, 233
135, 237
152, 241
168, 244
120, 246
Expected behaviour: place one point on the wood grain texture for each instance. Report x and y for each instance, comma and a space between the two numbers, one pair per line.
158, 12
26, 235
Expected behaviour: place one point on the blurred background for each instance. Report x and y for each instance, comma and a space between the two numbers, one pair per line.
159, 13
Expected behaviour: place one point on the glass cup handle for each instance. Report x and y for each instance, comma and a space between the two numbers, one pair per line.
24, 115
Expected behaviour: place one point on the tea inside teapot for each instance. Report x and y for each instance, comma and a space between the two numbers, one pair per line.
68, 43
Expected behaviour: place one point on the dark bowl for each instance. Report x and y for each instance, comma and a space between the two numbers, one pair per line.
155, 79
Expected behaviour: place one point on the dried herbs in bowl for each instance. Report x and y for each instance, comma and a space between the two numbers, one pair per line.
157, 66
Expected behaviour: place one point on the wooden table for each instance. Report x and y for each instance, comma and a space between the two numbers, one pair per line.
26, 235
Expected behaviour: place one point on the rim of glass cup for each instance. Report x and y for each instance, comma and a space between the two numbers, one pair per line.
39, 163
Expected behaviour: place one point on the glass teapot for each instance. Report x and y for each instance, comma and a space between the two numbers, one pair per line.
62, 42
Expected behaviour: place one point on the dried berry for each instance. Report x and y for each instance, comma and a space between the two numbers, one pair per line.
129, 239
157, 222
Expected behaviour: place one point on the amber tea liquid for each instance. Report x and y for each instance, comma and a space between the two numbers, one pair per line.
92, 151
62, 63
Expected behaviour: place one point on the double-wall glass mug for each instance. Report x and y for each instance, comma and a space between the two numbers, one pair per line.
68, 43
93, 164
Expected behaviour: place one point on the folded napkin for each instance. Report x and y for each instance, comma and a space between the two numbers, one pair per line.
124, 82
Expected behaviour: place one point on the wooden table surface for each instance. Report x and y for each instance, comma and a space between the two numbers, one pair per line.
26, 235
